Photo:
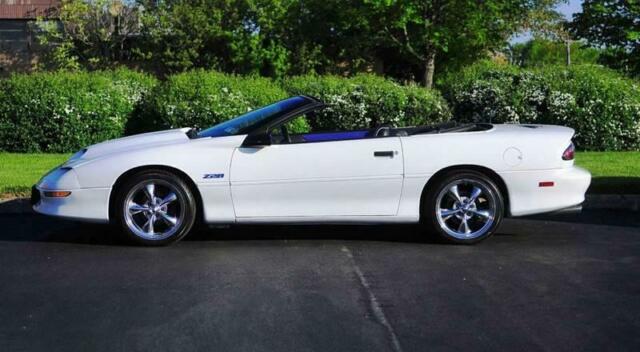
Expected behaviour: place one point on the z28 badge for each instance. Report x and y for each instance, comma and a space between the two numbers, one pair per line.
213, 176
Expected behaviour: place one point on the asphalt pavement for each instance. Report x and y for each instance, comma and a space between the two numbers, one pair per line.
554, 283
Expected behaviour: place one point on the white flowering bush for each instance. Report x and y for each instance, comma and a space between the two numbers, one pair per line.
202, 98
64, 111
602, 106
368, 101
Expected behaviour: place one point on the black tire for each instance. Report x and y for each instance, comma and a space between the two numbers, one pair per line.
183, 209
443, 213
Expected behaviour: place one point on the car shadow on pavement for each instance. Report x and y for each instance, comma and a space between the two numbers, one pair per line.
594, 217
382, 233
30, 227
38, 228
615, 185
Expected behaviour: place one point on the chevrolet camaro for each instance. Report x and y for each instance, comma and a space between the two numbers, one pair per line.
277, 164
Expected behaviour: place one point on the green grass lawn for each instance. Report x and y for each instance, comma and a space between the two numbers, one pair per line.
18, 172
613, 172
610, 164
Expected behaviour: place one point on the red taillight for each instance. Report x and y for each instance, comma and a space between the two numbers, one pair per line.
569, 153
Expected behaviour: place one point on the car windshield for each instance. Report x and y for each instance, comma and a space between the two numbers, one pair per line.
244, 123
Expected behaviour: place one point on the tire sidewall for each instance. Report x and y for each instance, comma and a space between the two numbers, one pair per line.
181, 187
429, 217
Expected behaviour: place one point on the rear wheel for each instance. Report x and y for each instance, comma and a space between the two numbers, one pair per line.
463, 207
155, 208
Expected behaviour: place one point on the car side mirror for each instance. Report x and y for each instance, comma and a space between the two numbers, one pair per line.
257, 140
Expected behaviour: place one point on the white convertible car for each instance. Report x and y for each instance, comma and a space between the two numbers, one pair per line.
271, 166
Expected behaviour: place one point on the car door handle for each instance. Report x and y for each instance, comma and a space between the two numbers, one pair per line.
385, 153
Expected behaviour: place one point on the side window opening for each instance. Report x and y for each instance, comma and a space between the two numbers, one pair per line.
301, 130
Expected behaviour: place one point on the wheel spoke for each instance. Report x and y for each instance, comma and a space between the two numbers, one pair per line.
454, 192
168, 199
149, 190
135, 208
448, 213
170, 220
483, 213
148, 226
464, 226
475, 193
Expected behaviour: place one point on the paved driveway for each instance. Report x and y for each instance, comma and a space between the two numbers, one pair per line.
560, 283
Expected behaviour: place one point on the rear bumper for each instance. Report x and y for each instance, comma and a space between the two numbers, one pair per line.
575, 209
526, 197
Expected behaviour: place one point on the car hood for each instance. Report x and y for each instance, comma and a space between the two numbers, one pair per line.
135, 142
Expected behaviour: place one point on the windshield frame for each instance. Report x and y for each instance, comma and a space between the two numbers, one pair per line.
260, 123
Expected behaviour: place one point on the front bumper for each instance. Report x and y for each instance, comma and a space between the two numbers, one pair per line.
35, 195
85, 204
91, 205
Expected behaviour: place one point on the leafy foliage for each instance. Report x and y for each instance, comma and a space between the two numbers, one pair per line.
602, 106
368, 101
201, 99
90, 34
235, 36
460, 29
614, 24
65, 111
540, 52
277, 38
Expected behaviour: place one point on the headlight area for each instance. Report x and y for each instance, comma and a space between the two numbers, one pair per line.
60, 179
77, 155
64, 166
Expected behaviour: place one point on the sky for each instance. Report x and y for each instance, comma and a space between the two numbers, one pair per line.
567, 9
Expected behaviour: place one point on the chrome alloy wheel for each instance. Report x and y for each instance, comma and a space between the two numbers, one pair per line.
465, 209
153, 210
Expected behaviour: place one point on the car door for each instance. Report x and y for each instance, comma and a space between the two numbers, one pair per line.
359, 177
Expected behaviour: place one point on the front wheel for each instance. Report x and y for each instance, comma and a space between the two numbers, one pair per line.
155, 208
463, 207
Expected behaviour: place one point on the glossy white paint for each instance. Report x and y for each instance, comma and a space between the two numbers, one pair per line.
336, 181
339, 178
86, 204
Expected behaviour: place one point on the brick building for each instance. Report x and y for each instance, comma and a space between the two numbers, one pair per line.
17, 32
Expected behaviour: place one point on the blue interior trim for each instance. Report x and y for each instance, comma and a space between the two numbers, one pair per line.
334, 136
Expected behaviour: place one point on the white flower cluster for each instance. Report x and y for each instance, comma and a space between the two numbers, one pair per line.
605, 114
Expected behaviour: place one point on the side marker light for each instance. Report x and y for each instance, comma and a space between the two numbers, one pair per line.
56, 194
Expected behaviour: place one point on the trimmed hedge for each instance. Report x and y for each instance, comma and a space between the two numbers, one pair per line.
368, 100
601, 105
65, 111
201, 99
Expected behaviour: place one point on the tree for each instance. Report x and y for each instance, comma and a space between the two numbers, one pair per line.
539, 52
545, 23
615, 25
91, 34
327, 36
236, 36
425, 29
